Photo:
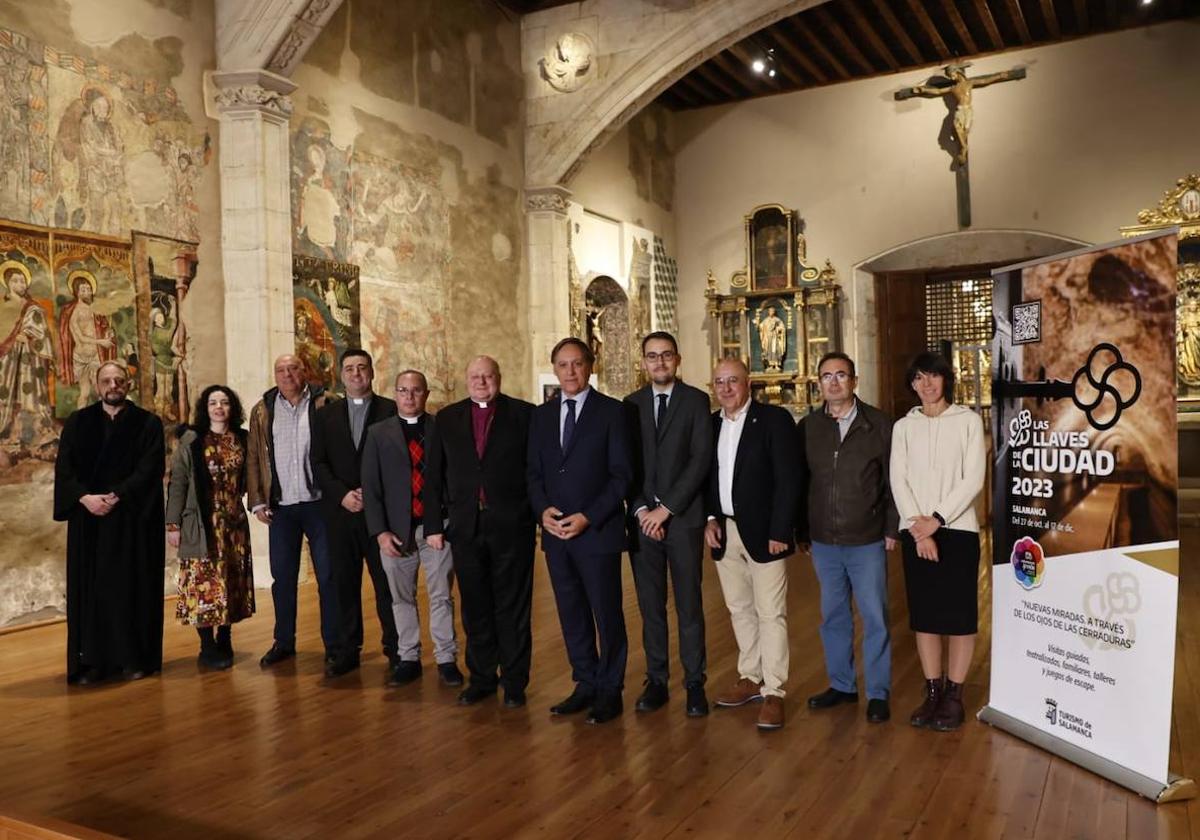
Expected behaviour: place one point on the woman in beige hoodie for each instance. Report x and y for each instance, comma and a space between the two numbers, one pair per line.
938, 464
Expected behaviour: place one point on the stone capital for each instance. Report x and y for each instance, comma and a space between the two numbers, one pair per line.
552, 199
238, 91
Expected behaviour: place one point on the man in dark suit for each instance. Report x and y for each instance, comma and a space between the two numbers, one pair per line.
477, 454
673, 447
579, 473
339, 430
400, 512
752, 495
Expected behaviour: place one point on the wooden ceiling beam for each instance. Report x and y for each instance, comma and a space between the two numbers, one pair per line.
1018, 19
798, 55
865, 27
960, 26
742, 52
898, 32
989, 23
782, 64
740, 74
1081, 17
802, 29
1051, 19
926, 22
673, 99
832, 26
711, 74
691, 86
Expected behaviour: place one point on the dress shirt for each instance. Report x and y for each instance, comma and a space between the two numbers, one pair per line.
727, 446
292, 437
655, 391
844, 422
562, 410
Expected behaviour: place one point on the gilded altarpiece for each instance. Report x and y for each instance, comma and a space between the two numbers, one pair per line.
1180, 207
779, 315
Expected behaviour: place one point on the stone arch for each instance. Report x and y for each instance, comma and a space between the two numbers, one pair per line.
555, 149
946, 250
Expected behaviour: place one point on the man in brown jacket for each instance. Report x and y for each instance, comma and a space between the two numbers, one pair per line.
284, 495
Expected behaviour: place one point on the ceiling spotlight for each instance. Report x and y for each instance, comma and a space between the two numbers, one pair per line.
765, 63
758, 65
771, 73
1147, 2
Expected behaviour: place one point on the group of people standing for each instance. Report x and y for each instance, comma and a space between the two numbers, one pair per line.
378, 482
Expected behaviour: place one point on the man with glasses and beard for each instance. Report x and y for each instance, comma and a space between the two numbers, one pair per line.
108, 489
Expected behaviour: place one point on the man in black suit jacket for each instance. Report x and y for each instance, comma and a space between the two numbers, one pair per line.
340, 428
752, 496
579, 473
477, 455
673, 447
400, 512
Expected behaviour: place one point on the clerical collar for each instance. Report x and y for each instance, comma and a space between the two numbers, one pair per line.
358, 400
479, 404
412, 421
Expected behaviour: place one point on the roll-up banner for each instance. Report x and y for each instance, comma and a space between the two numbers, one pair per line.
1085, 537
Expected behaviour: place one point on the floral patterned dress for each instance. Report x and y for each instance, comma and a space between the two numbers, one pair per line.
219, 589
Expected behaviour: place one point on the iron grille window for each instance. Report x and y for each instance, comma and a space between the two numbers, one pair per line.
958, 313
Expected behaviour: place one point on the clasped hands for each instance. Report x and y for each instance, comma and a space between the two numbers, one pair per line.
100, 504
558, 524
653, 522
922, 529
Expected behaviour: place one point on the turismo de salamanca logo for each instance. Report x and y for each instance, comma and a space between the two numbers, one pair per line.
1028, 562
1052, 710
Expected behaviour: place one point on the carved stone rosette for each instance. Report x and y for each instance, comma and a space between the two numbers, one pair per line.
568, 64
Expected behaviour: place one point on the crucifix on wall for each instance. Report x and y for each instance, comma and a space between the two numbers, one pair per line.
956, 88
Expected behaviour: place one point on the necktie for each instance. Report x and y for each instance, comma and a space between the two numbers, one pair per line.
662, 411
568, 425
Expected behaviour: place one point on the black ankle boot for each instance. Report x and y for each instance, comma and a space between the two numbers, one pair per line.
209, 655
950, 713
225, 646
923, 716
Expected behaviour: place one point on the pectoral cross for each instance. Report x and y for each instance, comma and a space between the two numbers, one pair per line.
956, 86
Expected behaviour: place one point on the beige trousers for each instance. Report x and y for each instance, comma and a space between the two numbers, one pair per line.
756, 595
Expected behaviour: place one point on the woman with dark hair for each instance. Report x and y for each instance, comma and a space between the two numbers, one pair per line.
938, 465
206, 522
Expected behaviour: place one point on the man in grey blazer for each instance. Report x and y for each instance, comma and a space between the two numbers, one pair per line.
400, 511
673, 448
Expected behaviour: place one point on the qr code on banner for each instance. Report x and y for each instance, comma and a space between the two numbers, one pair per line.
1027, 322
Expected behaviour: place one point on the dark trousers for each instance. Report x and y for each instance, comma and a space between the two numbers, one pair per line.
349, 546
680, 552
587, 591
289, 525
495, 582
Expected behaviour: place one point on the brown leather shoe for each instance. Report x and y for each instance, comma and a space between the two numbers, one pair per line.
923, 716
743, 691
770, 716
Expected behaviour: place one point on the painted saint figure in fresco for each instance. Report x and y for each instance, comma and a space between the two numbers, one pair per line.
167, 358
319, 209
26, 359
86, 338
88, 137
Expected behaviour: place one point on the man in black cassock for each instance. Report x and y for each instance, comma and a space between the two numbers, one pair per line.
108, 489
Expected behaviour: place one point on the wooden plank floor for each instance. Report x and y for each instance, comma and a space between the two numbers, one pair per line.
285, 754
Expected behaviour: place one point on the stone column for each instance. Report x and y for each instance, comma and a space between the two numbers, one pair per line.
256, 226
256, 241
548, 258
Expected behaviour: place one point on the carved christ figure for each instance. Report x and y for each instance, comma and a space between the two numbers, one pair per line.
959, 85
772, 335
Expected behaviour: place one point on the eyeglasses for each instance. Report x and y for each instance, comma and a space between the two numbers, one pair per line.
404, 392
666, 356
834, 375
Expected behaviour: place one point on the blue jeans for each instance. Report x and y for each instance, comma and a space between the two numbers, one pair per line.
289, 525
861, 571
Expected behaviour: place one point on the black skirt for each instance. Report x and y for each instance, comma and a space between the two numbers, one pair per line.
943, 597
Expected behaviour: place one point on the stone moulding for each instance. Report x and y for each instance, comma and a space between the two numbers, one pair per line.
253, 90
547, 199
566, 67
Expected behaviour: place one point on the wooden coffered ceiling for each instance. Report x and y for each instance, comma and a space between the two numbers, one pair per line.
843, 40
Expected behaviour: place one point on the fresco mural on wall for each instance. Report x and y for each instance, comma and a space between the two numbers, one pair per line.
96, 314
327, 316
163, 271
27, 353
320, 188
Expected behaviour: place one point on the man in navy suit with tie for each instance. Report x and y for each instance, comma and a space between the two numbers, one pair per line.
579, 471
